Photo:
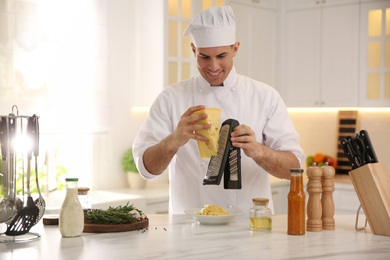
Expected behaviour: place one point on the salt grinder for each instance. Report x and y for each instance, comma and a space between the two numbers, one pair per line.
328, 222
314, 207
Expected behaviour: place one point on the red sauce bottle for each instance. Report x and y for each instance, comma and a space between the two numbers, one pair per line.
296, 204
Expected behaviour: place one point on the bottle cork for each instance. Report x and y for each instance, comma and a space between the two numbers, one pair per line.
328, 222
314, 206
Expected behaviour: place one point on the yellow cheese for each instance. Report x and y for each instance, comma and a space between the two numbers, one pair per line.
207, 149
212, 210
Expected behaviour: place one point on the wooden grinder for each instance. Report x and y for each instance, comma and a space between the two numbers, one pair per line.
328, 222
314, 207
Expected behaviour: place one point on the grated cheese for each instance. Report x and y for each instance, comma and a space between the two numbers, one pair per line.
212, 210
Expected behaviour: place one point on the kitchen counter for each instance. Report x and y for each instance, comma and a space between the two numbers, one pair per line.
180, 237
152, 200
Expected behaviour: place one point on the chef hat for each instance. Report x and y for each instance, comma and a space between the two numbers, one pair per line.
213, 27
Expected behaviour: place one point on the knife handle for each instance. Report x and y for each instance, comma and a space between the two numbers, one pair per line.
370, 153
346, 143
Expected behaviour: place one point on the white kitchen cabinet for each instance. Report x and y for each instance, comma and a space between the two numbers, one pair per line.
280, 191
321, 55
344, 197
161, 207
257, 31
301, 4
265, 4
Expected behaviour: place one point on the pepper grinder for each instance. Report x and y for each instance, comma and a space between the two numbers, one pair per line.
314, 207
328, 222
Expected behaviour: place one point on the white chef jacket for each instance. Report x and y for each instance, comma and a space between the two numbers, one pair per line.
252, 103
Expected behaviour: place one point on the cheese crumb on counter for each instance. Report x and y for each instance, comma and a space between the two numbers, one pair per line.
212, 210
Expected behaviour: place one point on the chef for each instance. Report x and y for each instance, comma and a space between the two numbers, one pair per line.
266, 134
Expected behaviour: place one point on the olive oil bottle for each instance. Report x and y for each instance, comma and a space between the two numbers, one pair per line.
260, 215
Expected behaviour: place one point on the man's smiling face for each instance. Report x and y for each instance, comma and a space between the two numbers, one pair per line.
215, 63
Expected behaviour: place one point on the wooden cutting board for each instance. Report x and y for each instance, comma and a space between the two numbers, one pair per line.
103, 228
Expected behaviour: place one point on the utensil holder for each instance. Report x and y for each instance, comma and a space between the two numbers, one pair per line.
372, 185
18, 227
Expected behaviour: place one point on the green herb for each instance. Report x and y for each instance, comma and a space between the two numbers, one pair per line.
111, 216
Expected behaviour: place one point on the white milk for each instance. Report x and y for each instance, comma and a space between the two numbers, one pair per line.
71, 219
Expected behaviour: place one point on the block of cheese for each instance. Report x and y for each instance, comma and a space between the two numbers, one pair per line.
207, 149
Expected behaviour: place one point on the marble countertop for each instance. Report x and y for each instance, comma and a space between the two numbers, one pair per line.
181, 237
152, 195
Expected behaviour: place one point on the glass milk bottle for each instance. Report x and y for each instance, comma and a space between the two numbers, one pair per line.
296, 204
71, 220
260, 215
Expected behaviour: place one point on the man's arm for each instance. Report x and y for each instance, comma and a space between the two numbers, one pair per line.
277, 163
157, 158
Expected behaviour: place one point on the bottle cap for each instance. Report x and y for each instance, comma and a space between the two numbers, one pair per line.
296, 170
260, 200
82, 190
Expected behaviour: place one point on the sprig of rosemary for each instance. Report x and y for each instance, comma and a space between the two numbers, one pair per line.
111, 216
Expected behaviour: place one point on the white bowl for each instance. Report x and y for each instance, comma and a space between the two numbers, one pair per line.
213, 220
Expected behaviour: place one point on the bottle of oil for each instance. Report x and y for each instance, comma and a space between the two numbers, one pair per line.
260, 215
85, 201
296, 204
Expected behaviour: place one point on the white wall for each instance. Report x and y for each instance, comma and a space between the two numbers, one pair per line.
318, 132
135, 41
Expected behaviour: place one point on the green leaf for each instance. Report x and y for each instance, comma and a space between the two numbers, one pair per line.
128, 163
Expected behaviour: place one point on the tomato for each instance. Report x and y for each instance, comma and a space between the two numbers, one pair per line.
331, 161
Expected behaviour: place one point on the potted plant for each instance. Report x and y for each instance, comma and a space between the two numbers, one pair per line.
129, 167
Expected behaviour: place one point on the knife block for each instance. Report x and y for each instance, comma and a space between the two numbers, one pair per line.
372, 185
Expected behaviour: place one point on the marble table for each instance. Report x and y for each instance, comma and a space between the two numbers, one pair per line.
181, 237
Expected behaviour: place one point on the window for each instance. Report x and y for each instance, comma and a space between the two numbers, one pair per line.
180, 63
378, 54
53, 63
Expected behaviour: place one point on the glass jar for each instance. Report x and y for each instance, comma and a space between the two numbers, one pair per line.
296, 204
84, 198
260, 216
71, 219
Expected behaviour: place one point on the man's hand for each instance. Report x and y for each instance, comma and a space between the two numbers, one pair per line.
277, 163
244, 138
157, 158
186, 127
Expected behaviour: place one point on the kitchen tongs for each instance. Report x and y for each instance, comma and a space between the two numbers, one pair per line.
359, 149
227, 162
